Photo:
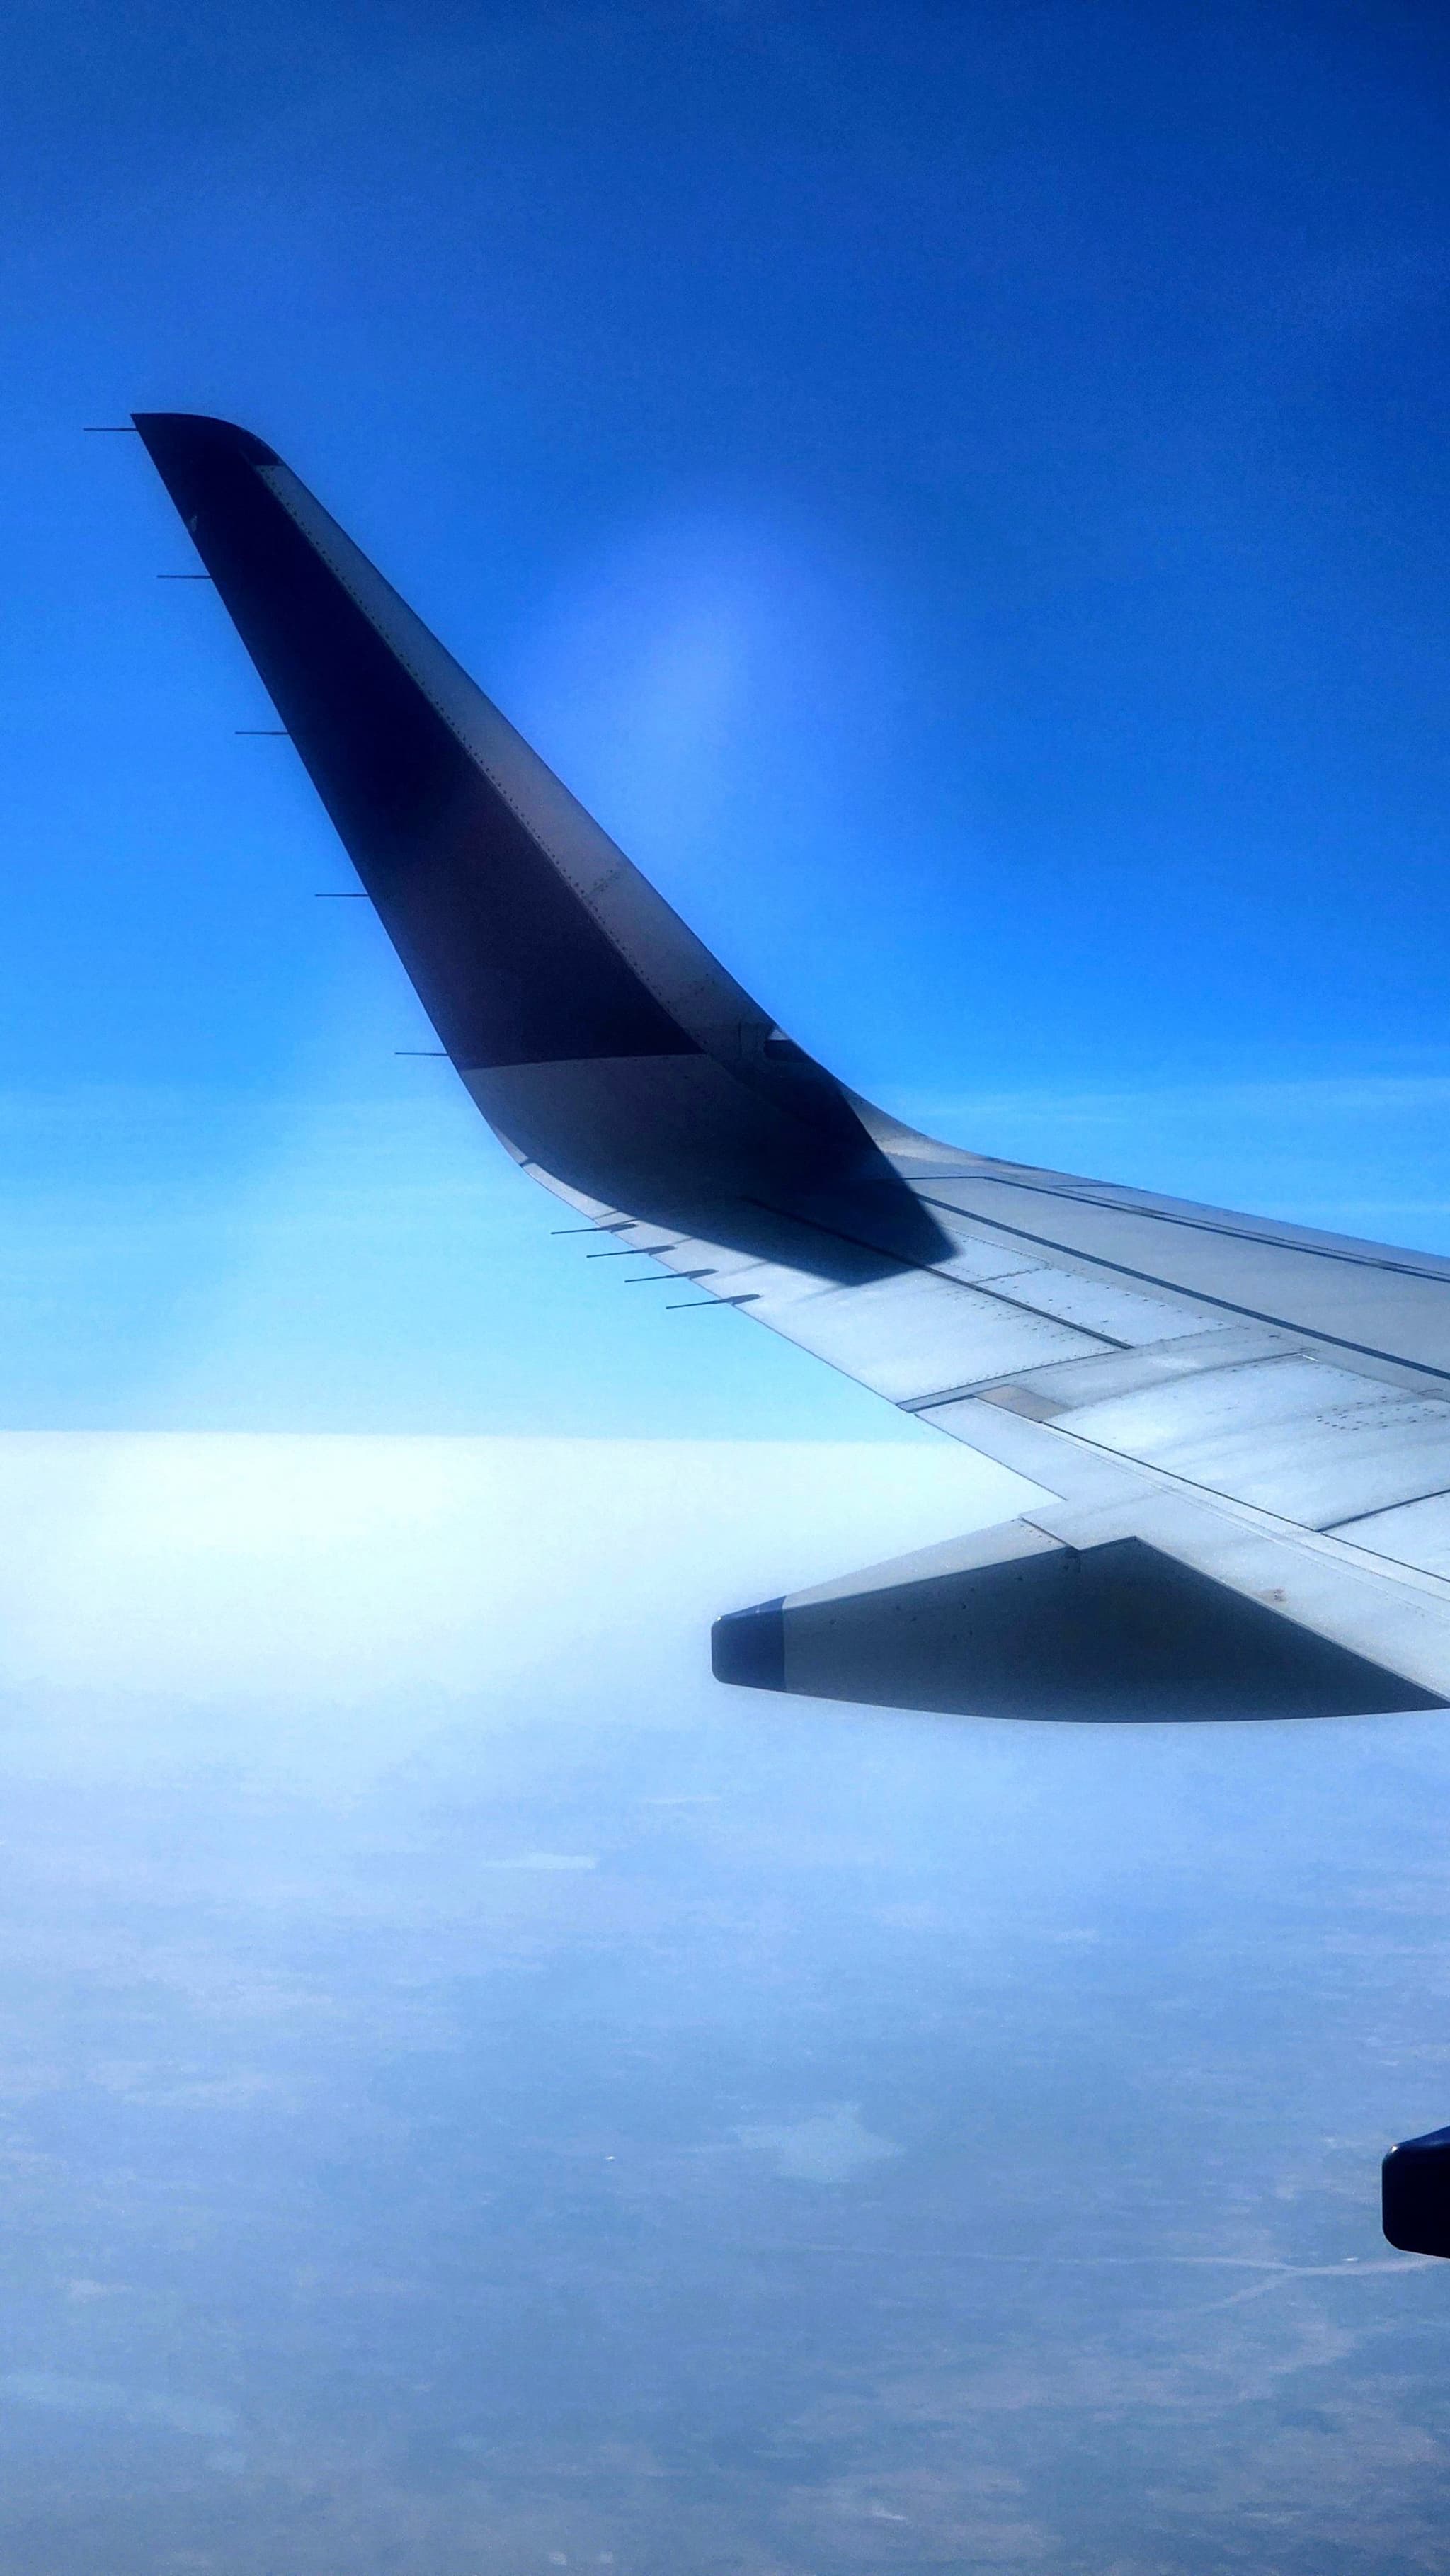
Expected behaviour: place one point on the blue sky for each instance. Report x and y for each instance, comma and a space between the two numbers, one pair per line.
960, 490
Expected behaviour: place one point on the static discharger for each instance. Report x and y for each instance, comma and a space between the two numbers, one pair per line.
664, 1278
697, 1305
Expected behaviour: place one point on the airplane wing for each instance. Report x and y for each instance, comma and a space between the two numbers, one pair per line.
1241, 1430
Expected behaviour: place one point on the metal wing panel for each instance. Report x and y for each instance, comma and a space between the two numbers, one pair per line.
1102, 1306
1075, 1384
1415, 1534
904, 1336
1291, 1435
1361, 1299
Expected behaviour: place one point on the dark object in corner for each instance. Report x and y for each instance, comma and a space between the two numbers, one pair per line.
1416, 2194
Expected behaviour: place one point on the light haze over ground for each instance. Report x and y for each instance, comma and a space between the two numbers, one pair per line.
960, 491
476, 2098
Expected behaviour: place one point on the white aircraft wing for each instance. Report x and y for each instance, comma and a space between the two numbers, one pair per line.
1241, 1430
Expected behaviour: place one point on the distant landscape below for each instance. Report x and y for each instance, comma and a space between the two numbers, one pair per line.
498, 2102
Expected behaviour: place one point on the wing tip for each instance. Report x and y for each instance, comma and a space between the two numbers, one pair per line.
176, 437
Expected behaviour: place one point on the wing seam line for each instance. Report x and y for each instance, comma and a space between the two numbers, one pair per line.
1197, 1225
1203, 1296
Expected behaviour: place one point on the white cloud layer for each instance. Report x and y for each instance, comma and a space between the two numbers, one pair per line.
317, 1571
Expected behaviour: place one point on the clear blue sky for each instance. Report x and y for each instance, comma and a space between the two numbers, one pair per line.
961, 491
